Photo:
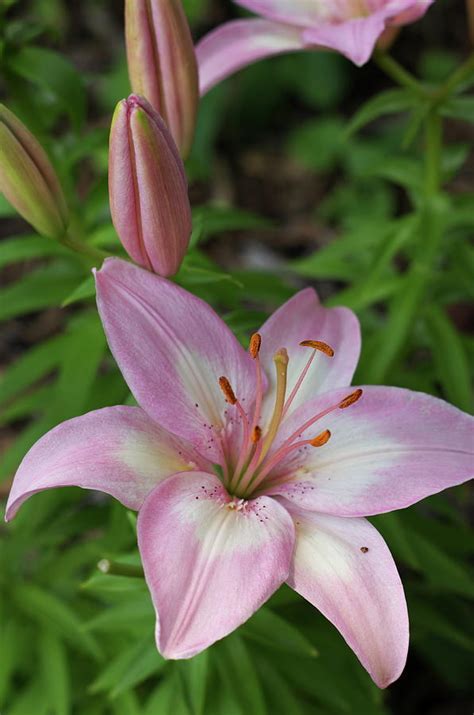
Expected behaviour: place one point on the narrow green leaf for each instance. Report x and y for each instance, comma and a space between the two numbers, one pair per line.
55, 74
31, 366
215, 219
127, 704
393, 101
48, 610
270, 629
429, 620
440, 570
130, 667
26, 405
21, 248
398, 538
194, 674
450, 358
84, 291
84, 348
278, 692
168, 697
459, 108
136, 611
12, 456
55, 672
42, 288
234, 662
30, 699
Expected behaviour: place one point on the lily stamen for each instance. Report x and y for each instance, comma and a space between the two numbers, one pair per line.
255, 345
283, 449
247, 442
316, 442
317, 345
321, 439
231, 398
350, 399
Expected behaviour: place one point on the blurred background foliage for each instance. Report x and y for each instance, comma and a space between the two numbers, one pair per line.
305, 170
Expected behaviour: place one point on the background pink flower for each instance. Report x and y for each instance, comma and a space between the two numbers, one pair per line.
351, 27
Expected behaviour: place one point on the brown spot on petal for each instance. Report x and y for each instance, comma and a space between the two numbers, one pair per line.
364, 549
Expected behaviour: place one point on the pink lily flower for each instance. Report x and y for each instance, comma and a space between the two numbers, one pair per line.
351, 27
250, 469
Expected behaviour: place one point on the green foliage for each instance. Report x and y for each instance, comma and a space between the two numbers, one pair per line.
392, 227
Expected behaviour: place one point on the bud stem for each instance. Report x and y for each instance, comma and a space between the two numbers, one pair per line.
84, 249
112, 568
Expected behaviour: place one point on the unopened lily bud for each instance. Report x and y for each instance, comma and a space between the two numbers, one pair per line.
162, 64
148, 188
28, 180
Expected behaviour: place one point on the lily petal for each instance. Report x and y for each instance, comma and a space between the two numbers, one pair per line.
304, 318
387, 451
117, 450
172, 348
344, 568
210, 561
296, 12
355, 39
239, 43
410, 11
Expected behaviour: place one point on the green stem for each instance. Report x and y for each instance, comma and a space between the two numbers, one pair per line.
433, 151
112, 568
399, 74
84, 249
406, 304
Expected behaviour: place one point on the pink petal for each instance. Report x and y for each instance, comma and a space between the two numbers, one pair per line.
344, 568
295, 12
209, 565
354, 35
117, 450
409, 11
354, 38
172, 348
240, 43
387, 451
304, 318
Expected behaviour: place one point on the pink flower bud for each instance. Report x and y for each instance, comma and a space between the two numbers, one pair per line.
148, 188
28, 180
162, 64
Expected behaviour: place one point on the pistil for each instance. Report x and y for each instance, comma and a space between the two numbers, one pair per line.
281, 365
247, 450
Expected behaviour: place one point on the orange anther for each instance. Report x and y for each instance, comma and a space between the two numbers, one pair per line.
256, 434
226, 388
255, 344
321, 439
350, 399
318, 345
